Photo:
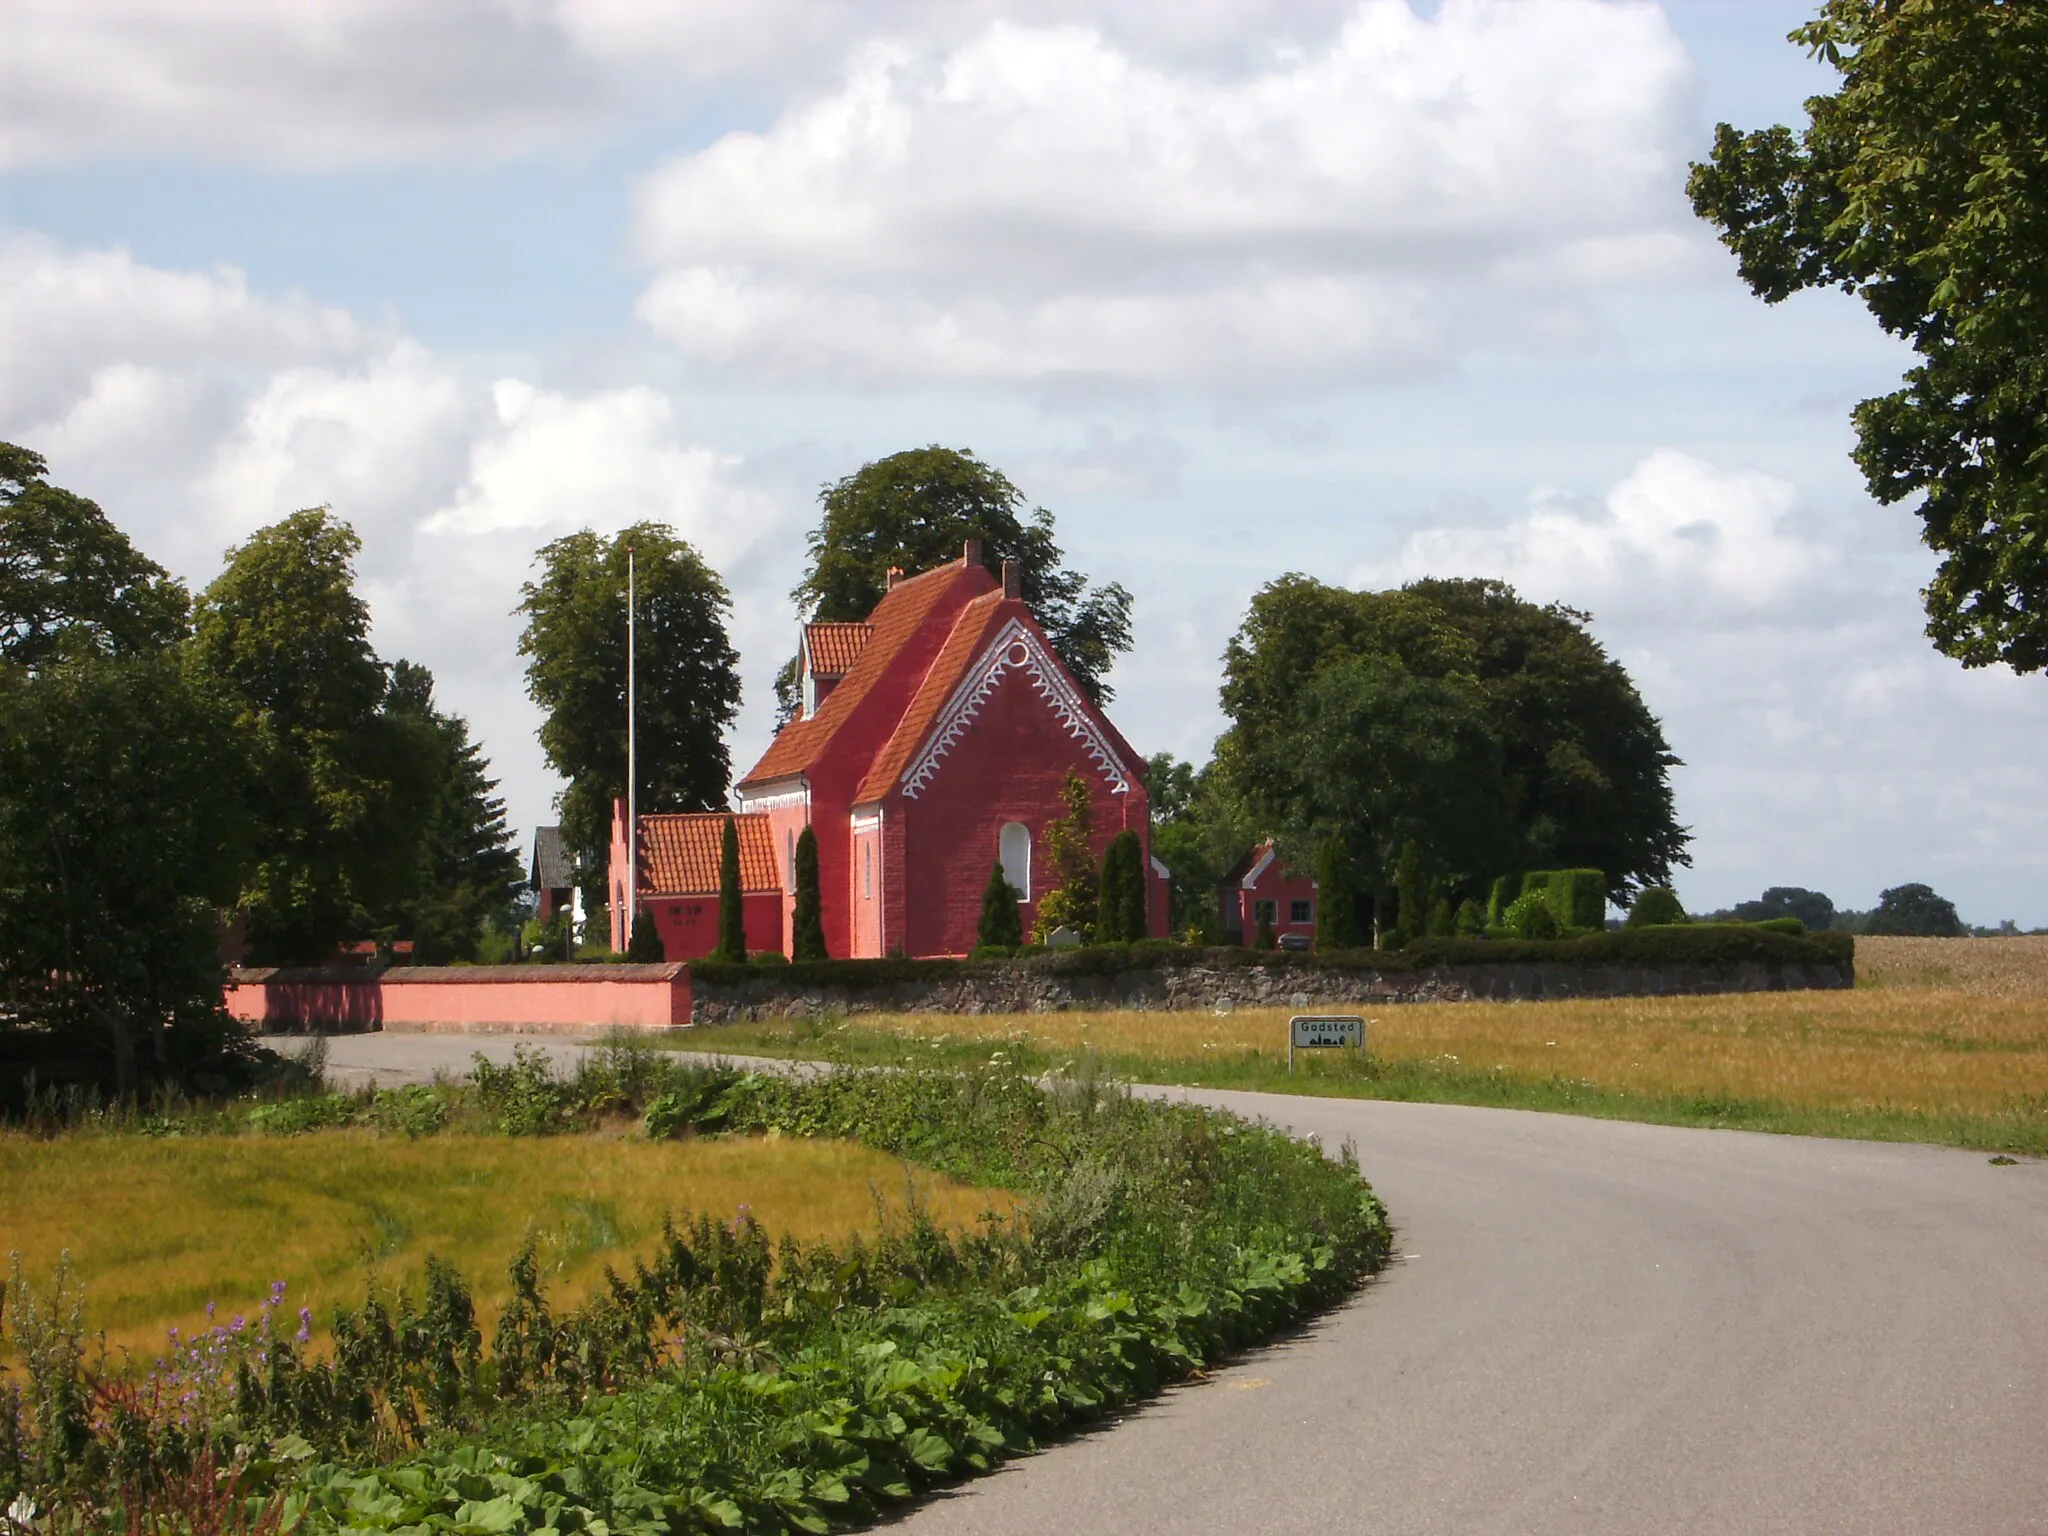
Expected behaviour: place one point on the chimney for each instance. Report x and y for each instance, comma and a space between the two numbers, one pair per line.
971, 555
895, 575
1013, 580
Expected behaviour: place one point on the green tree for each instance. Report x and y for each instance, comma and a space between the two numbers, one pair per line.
1199, 829
1002, 924
1920, 184
1070, 856
808, 942
1340, 924
1411, 890
1583, 765
732, 913
1120, 898
687, 679
914, 510
1915, 910
122, 833
1813, 908
70, 582
644, 946
1369, 751
343, 789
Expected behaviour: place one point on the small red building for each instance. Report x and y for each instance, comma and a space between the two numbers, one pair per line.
932, 742
1259, 888
679, 881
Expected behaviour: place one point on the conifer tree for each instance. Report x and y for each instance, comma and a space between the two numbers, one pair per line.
1337, 914
808, 942
1413, 895
1002, 924
644, 946
1120, 908
732, 925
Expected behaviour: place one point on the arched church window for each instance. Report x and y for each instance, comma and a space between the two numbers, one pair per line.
1013, 847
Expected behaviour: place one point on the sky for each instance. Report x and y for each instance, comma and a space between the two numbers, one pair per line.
1368, 291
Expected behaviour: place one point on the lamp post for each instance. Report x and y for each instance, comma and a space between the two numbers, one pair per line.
632, 758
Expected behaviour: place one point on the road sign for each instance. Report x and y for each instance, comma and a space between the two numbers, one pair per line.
1323, 1032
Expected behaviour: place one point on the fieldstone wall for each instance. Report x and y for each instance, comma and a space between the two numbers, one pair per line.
999, 988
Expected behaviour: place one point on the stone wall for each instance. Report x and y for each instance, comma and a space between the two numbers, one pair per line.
1020, 988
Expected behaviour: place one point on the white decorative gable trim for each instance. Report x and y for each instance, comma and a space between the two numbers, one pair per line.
1015, 649
776, 795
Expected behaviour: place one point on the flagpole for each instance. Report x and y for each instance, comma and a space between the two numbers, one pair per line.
632, 757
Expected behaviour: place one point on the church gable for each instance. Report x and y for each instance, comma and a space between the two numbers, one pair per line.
993, 642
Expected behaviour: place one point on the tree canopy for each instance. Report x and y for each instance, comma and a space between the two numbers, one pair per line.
687, 677
1914, 909
1921, 185
70, 582
1494, 733
914, 510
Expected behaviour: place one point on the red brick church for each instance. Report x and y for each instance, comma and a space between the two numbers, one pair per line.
932, 741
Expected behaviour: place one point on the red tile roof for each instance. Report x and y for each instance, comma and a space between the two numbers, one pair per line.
834, 648
679, 854
894, 623
970, 633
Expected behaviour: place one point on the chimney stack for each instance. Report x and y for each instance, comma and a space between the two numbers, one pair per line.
971, 555
895, 575
1013, 580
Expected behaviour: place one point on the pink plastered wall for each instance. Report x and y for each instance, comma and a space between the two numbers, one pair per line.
483, 998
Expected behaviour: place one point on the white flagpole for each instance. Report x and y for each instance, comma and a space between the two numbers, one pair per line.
632, 758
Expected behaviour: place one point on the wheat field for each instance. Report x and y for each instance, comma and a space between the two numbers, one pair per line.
1935, 1026
158, 1229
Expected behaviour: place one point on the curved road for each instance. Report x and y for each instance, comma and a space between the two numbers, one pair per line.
1596, 1327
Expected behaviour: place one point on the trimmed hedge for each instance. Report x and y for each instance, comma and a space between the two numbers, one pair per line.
1701, 944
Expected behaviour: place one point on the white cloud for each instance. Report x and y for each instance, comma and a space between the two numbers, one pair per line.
234, 410
1676, 529
325, 83
1041, 202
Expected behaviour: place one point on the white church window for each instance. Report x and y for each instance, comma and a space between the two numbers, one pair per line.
1014, 849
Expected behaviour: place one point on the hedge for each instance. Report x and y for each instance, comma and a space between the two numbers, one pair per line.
1701, 944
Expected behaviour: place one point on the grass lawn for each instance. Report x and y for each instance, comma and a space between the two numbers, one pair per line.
1943, 1040
158, 1228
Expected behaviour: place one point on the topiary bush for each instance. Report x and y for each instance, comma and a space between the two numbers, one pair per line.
1529, 916
1656, 907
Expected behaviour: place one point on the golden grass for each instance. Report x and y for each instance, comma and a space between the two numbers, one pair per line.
1898, 1046
158, 1228
2003, 967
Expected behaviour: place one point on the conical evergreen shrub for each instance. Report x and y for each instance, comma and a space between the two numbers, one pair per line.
808, 942
1002, 923
732, 918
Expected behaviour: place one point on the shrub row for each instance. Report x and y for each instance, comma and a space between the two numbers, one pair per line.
1682, 945
727, 1383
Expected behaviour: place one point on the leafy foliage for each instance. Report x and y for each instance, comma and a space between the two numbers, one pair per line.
1921, 185
914, 511
71, 585
1073, 900
1199, 829
1492, 732
122, 831
687, 678
1656, 907
730, 1382
1914, 909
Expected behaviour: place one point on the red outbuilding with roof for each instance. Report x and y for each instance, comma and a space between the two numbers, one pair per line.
932, 742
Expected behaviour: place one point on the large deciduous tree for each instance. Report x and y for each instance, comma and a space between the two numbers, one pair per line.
343, 790
1494, 733
71, 584
1921, 185
122, 835
914, 510
687, 677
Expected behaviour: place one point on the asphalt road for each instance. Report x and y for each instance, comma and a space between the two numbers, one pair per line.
1594, 1327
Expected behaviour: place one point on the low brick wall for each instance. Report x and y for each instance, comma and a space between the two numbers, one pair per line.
1019, 988
481, 999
